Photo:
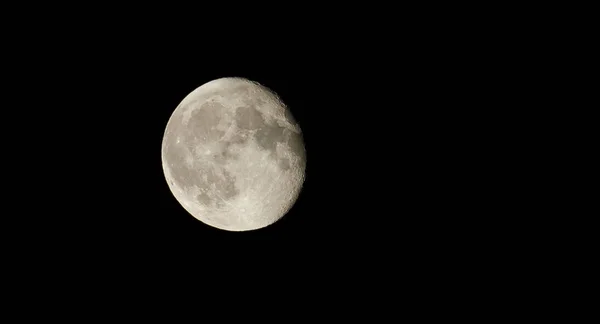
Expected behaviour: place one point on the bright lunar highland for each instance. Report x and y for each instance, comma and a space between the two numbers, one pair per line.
233, 155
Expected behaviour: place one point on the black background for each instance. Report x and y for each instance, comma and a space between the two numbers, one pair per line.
398, 166
427, 133
383, 151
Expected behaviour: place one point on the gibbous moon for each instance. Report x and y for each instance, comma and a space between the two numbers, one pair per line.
233, 155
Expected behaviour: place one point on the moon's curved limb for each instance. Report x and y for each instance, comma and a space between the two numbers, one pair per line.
233, 155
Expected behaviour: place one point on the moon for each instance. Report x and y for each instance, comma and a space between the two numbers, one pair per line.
233, 155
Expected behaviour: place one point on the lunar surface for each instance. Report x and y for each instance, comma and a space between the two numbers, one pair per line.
233, 155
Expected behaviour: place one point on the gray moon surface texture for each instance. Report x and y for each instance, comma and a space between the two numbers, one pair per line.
233, 155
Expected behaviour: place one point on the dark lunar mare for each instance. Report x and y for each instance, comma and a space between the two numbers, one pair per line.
268, 134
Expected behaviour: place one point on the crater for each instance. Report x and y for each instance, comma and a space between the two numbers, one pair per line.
295, 142
284, 163
289, 117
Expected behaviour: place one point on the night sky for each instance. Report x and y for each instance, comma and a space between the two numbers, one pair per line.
397, 160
